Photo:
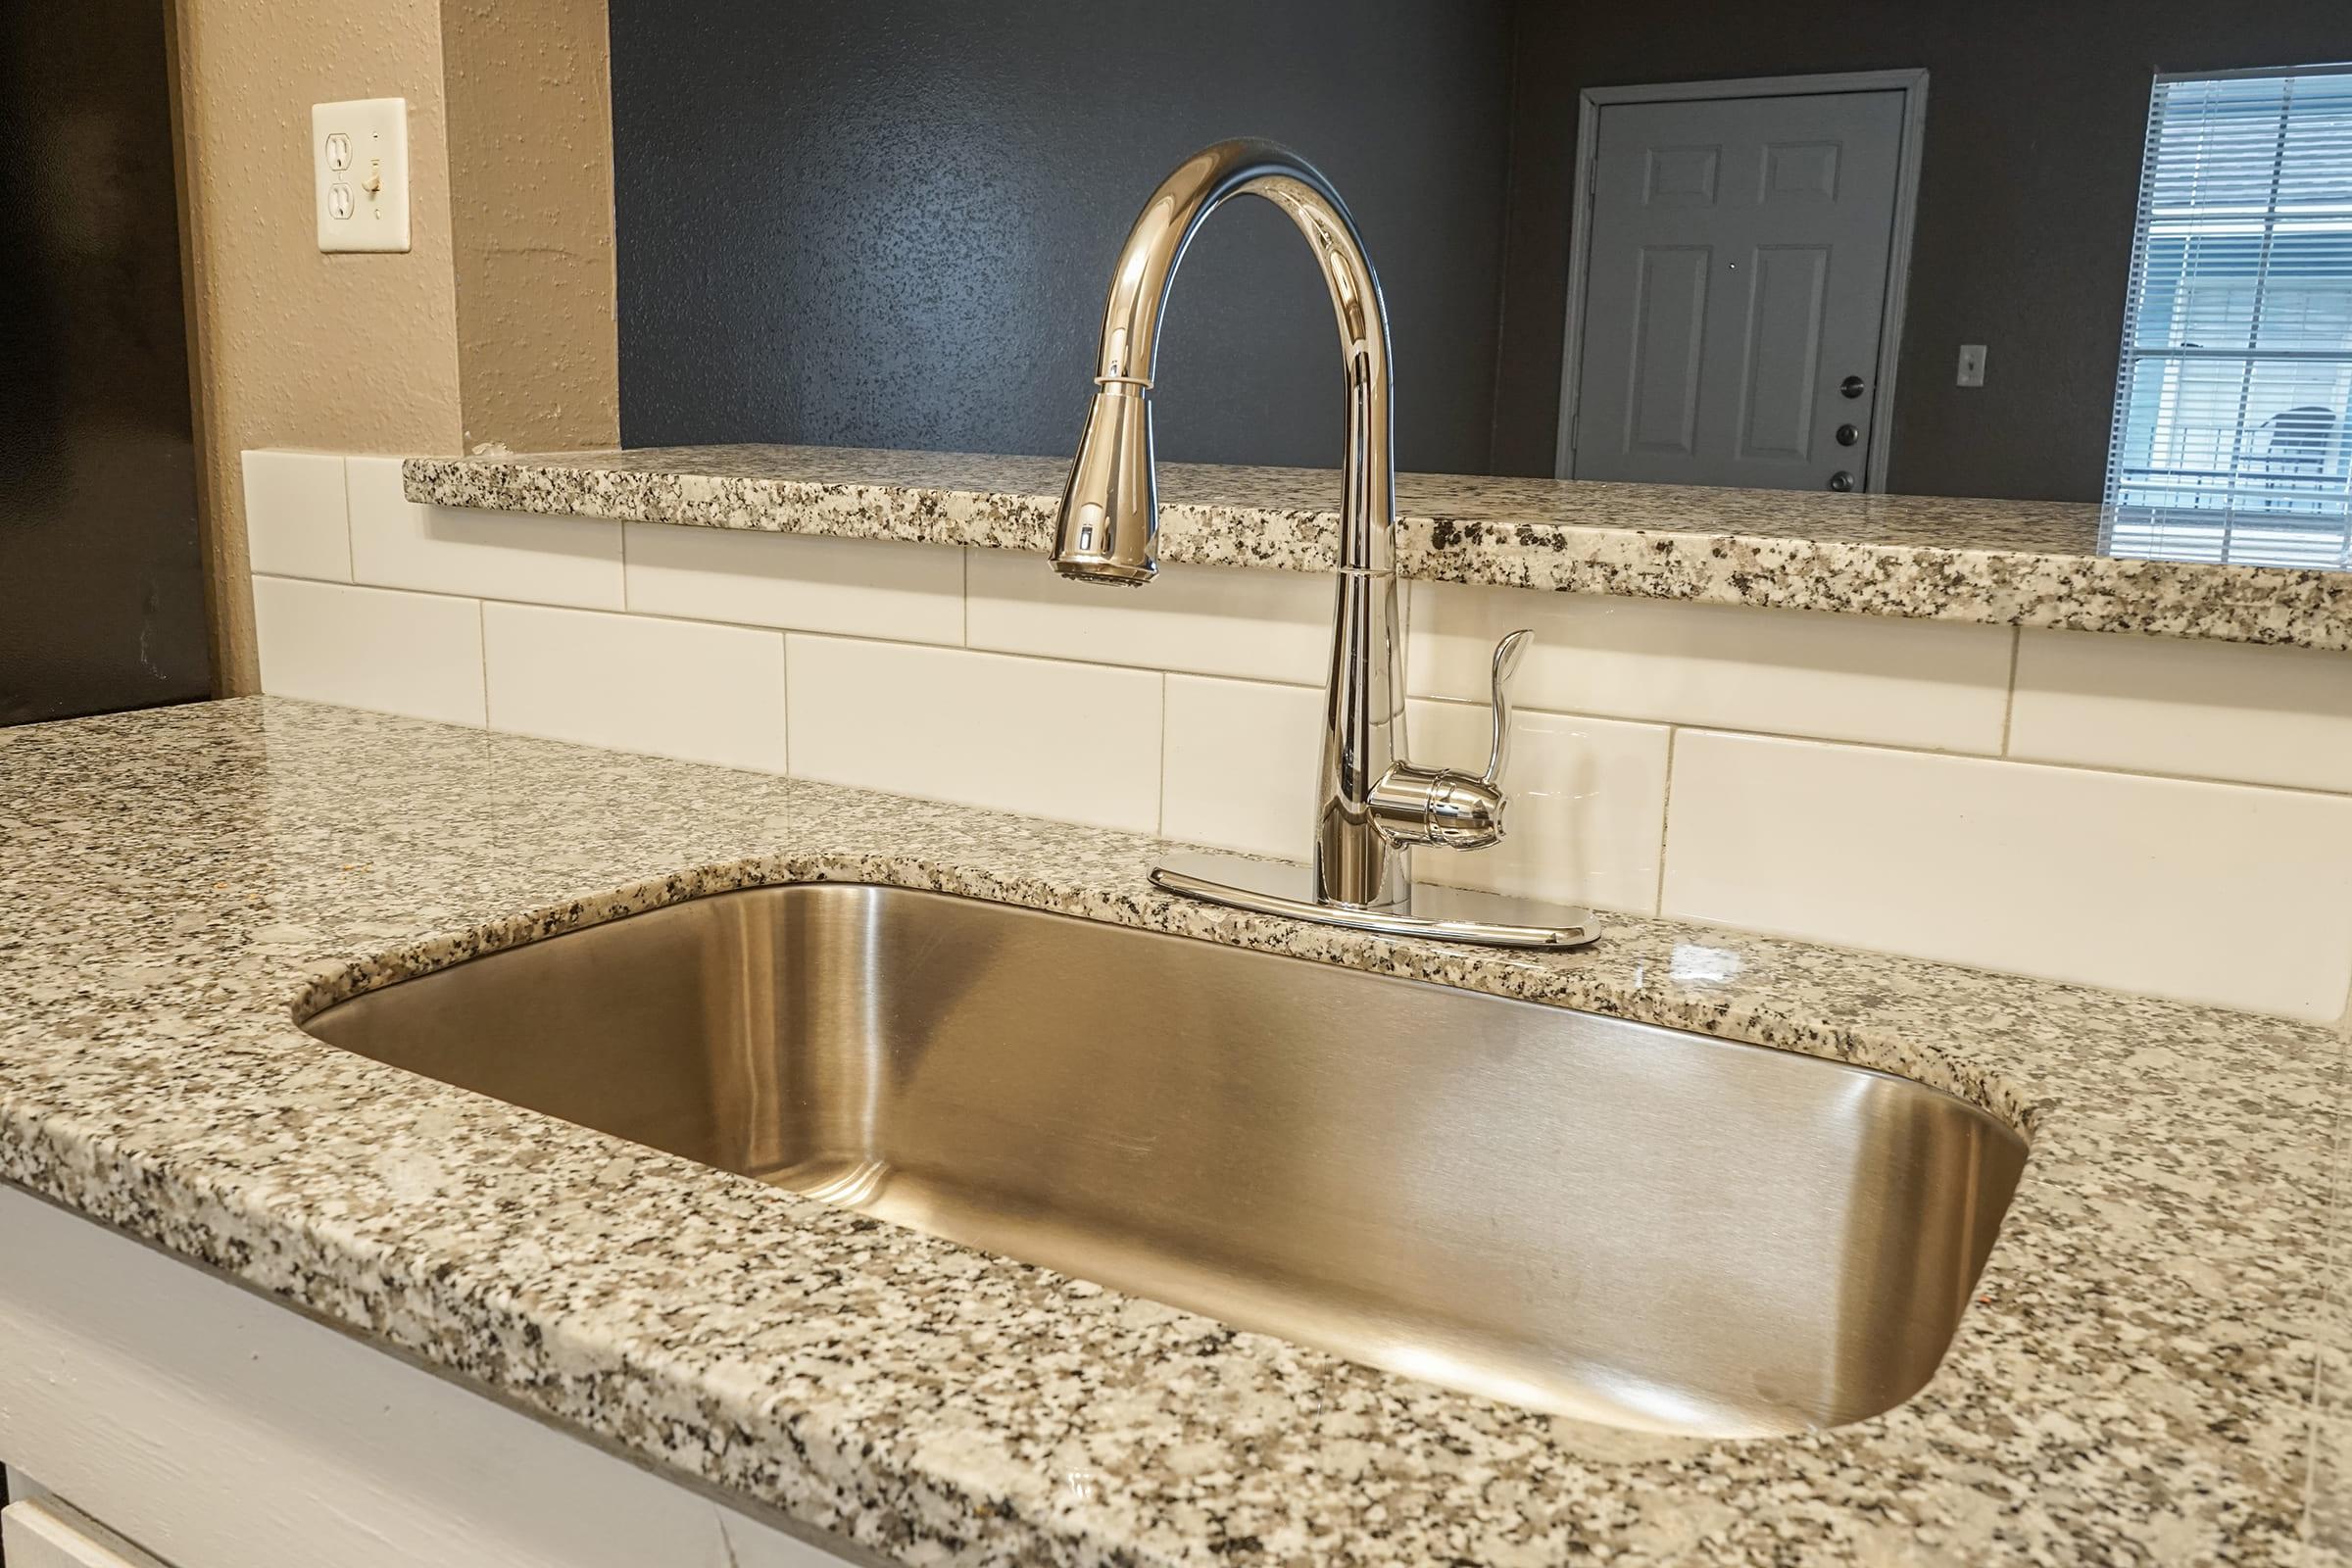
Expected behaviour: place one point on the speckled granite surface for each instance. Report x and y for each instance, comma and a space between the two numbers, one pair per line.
2002, 562
2136, 1382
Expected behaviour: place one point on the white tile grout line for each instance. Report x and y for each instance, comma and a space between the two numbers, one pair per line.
1159, 785
2017, 638
1657, 903
481, 645
350, 542
1795, 737
2211, 780
784, 690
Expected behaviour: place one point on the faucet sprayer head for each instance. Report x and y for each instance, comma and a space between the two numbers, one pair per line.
1109, 519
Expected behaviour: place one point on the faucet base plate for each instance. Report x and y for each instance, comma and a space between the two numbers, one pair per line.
1439, 914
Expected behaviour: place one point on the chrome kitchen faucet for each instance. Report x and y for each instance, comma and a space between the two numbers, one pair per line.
1373, 806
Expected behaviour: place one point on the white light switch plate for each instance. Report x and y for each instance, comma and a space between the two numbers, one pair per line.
1972, 364
360, 155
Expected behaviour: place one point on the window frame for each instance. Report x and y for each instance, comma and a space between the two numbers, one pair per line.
2309, 521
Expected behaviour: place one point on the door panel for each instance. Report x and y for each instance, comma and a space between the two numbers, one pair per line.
1735, 275
1671, 317
1681, 176
1796, 172
1787, 297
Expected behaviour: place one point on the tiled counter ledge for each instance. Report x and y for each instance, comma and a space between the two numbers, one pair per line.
2002, 563
2149, 1373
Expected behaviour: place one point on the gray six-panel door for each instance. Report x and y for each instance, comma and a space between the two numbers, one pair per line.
1736, 287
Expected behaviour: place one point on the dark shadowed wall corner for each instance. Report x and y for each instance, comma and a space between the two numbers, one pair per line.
99, 564
891, 223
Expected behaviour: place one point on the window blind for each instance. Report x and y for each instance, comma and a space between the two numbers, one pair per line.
2233, 436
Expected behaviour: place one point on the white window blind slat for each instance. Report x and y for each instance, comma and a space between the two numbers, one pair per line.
2233, 435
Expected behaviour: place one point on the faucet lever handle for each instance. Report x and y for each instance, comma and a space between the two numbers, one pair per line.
1443, 806
1499, 750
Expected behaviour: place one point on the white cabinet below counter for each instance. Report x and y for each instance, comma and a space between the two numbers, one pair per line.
217, 1429
44, 1533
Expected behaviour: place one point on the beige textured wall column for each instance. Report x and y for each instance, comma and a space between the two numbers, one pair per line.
530, 165
291, 347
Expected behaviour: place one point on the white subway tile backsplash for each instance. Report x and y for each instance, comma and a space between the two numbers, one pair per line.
1079, 742
2154, 705
676, 688
855, 587
1206, 621
396, 542
397, 653
2214, 893
297, 519
1239, 769
1842, 677
1588, 804
1194, 709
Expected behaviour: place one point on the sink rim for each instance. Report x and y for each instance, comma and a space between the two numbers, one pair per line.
2026, 1116
2016, 1148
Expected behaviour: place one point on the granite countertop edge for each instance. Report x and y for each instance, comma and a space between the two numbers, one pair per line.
919, 1399
1986, 561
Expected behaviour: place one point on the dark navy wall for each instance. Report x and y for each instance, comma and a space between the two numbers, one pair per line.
891, 223
2029, 190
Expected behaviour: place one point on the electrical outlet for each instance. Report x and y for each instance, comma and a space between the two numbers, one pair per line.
360, 155
1972, 364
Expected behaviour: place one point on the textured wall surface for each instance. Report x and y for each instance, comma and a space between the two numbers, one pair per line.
295, 348
891, 223
530, 176
2028, 191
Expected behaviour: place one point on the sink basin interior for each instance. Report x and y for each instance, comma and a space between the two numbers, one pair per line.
1577, 1214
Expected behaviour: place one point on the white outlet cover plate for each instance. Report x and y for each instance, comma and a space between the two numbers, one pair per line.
354, 146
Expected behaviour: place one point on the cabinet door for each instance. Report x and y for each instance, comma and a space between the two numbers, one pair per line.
49, 1534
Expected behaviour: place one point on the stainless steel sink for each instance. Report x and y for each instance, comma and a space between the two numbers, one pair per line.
1629, 1224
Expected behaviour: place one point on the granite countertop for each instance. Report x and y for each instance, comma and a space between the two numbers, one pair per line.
2002, 562
2150, 1373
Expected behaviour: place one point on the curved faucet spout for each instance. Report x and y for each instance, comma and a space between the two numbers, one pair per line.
1108, 527
1372, 806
